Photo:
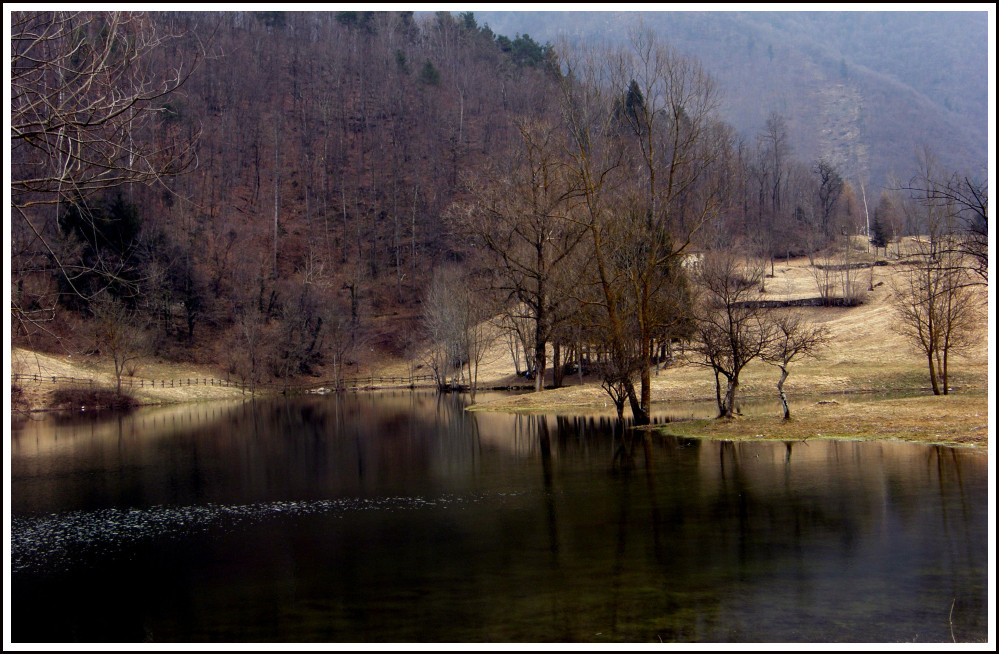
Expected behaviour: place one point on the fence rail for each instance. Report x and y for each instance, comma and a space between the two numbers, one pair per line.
353, 382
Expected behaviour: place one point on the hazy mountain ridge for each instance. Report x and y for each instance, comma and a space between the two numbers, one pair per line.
853, 86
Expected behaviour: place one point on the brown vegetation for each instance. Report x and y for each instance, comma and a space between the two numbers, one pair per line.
89, 398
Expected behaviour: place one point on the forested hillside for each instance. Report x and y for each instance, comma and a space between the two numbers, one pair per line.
281, 193
312, 158
862, 89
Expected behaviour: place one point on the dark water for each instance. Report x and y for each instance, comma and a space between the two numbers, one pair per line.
402, 518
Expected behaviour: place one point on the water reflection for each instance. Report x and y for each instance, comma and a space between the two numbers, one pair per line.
400, 517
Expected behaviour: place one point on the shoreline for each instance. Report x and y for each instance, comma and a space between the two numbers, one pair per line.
904, 414
959, 419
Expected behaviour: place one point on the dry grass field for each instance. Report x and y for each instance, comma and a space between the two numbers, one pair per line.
865, 358
39, 395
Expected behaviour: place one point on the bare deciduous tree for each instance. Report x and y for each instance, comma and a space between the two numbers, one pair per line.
935, 307
793, 338
731, 329
456, 327
642, 146
829, 191
117, 334
956, 207
83, 98
519, 217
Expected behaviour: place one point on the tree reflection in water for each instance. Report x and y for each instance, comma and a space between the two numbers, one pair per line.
401, 517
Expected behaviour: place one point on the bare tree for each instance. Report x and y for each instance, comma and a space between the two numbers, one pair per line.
117, 334
252, 333
935, 307
616, 375
829, 191
341, 342
441, 329
793, 338
83, 99
731, 329
519, 217
641, 150
956, 206
456, 326
677, 142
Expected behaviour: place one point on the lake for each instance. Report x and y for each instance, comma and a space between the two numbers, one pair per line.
400, 517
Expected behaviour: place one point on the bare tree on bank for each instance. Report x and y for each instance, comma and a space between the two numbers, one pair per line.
519, 217
84, 99
642, 145
456, 330
936, 307
955, 206
731, 329
793, 338
117, 334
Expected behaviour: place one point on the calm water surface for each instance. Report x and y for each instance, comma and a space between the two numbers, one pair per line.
402, 518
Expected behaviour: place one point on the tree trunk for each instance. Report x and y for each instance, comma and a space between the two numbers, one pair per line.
783, 396
943, 372
646, 390
728, 409
718, 397
541, 333
557, 371
646, 379
514, 344
638, 412
933, 375
539, 365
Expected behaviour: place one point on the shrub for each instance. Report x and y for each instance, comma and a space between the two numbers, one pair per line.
18, 401
91, 398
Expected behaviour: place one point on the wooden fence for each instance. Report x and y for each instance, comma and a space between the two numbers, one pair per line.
132, 382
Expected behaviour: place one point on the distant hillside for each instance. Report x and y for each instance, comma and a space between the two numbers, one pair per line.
862, 89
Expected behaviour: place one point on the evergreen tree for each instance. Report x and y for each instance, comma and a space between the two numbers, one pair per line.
880, 232
429, 75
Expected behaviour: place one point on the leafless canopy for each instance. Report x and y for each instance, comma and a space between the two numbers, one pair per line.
936, 309
792, 338
85, 91
731, 329
82, 87
642, 153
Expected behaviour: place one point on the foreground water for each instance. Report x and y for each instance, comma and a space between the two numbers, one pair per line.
402, 518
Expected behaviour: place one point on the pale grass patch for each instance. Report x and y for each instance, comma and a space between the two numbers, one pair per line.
936, 419
39, 395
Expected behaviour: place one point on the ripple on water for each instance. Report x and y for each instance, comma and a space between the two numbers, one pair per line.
59, 541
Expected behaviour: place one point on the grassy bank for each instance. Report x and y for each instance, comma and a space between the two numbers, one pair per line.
939, 419
97, 375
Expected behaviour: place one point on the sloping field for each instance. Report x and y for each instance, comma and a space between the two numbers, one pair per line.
864, 354
82, 369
